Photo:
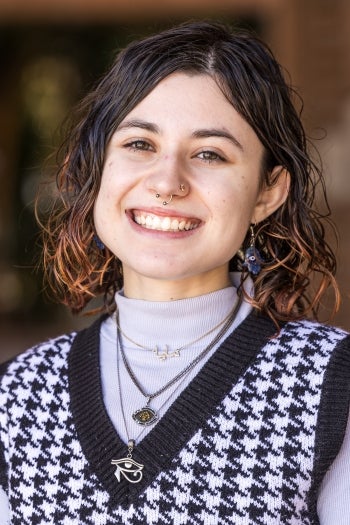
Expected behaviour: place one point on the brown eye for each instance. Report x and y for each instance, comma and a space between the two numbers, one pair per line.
139, 145
210, 156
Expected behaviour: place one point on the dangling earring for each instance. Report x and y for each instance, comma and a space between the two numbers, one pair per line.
98, 242
252, 257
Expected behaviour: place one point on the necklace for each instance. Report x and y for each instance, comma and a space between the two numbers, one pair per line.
163, 355
127, 467
146, 415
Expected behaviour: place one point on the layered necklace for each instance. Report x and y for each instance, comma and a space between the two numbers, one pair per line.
165, 354
127, 467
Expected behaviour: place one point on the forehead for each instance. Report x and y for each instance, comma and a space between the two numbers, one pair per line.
189, 89
184, 103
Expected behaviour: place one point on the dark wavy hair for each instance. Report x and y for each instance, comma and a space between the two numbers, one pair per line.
292, 239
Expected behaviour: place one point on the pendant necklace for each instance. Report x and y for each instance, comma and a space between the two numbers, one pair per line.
127, 467
146, 415
163, 355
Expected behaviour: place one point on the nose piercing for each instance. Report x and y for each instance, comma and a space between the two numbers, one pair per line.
165, 202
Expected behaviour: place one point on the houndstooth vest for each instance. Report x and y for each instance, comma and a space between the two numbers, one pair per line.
246, 443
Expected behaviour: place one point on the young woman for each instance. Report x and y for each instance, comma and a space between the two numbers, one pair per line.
206, 393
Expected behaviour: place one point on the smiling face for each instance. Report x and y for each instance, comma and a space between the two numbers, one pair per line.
186, 144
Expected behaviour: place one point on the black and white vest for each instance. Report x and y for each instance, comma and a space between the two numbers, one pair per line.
246, 443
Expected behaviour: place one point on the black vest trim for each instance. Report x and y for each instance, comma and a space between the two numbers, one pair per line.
333, 415
97, 435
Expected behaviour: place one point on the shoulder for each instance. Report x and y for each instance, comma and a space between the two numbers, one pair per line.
48, 353
314, 335
327, 347
296, 338
313, 347
307, 325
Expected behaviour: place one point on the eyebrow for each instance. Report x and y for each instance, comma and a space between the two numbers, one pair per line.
142, 124
200, 133
207, 133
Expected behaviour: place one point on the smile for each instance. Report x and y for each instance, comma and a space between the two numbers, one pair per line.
165, 224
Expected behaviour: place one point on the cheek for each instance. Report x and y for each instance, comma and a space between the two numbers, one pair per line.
110, 188
233, 210
235, 203
107, 177
104, 201
117, 178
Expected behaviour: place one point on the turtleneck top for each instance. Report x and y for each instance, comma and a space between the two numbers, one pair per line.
178, 323
169, 326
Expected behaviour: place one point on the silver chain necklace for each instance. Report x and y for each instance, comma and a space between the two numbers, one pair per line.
146, 415
163, 355
127, 467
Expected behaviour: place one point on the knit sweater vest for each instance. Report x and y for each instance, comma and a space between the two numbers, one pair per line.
247, 442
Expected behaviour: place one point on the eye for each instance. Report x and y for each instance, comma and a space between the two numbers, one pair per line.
210, 156
139, 145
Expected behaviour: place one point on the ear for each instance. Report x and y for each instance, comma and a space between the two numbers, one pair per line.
272, 197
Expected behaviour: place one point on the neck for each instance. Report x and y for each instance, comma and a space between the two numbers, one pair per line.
172, 323
150, 289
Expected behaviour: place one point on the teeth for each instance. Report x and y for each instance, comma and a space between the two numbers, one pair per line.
154, 222
166, 223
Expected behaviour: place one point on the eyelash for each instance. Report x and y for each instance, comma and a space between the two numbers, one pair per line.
138, 145
207, 155
214, 157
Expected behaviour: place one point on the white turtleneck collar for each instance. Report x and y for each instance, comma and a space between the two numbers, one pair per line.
172, 324
179, 321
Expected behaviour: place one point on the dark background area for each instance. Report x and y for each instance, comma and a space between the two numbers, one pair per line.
49, 59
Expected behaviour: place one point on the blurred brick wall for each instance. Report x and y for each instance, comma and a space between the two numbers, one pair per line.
309, 37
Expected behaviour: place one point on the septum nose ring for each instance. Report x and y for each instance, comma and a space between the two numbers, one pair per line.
182, 188
165, 202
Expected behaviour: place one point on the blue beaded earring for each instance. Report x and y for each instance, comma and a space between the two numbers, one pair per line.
252, 257
98, 242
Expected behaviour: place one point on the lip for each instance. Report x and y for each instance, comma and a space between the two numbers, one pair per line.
163, 222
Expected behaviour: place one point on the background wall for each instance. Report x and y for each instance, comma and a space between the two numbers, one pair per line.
51, 53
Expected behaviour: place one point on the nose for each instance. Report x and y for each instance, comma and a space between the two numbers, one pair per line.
168, 180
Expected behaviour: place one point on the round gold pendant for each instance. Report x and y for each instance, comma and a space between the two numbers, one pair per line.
145, 416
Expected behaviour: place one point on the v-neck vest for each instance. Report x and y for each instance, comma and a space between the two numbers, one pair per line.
247, 442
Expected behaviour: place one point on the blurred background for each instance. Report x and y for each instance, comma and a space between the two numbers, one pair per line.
53, 51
